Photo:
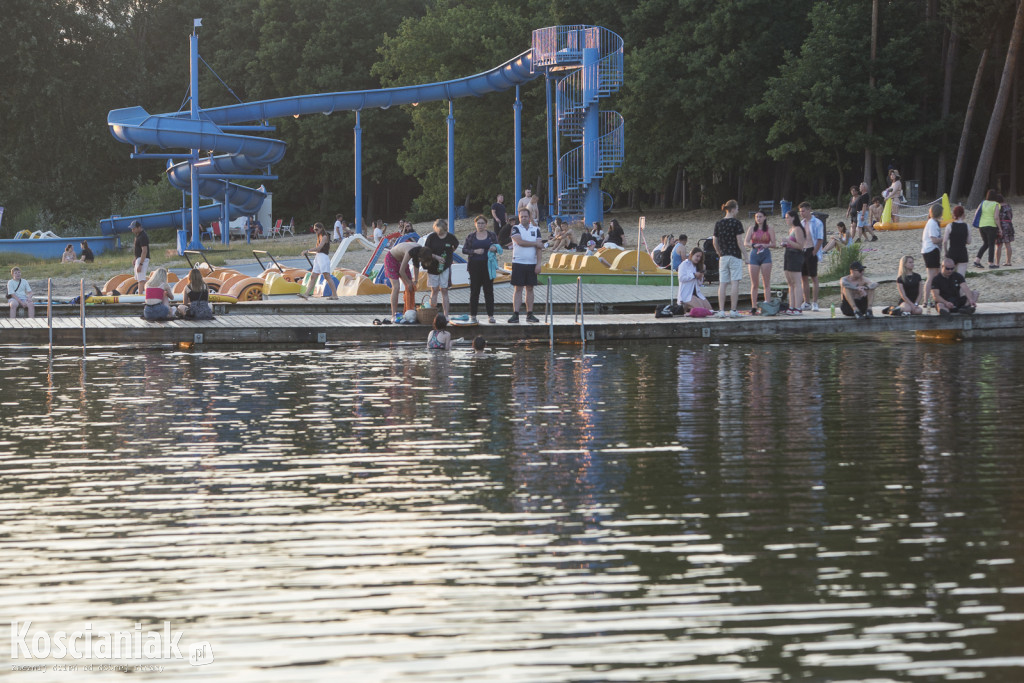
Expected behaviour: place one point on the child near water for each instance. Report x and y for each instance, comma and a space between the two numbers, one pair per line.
440, 338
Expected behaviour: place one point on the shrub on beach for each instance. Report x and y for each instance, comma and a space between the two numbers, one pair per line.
839, 261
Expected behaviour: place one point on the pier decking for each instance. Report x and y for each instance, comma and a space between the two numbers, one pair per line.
997, 320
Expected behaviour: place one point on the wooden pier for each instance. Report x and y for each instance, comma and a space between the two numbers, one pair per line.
997, 320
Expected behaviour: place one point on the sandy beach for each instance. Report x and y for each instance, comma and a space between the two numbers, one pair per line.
881, 258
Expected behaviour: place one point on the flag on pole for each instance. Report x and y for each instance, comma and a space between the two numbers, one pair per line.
196, 23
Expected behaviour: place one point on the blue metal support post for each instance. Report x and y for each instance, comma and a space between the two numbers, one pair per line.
193, 45
225, 222
593, 209
517, 108
551, 133
358, 131
451, 166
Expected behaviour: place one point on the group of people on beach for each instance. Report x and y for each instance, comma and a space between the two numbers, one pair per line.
69, 255
944, 253
803, 246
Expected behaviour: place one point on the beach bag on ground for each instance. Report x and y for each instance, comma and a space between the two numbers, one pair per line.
770, 307
669, 311
425, 314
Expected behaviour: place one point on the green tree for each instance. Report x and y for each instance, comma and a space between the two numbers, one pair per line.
693, 68
454, 40
819, 103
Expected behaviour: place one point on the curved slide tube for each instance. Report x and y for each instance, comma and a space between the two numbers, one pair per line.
244, 154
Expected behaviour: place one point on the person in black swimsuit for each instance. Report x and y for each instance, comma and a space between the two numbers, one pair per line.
955, 239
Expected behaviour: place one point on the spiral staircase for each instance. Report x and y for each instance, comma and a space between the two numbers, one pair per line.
591, 59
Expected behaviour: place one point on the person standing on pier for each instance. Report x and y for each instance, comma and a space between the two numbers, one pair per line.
760, 239
141, 252
815, 238
527, 245
439, 278
955, 239
477, 248
726, 240
397, 269
793, 262
931, 241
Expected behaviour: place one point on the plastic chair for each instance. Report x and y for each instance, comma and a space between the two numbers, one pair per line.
290, 228
216, 230
276, 230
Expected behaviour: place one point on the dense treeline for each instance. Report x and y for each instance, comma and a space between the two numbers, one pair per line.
722, 98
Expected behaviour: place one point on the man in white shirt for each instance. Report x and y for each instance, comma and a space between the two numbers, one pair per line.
815, 230
339, 228
19, 294
527, 245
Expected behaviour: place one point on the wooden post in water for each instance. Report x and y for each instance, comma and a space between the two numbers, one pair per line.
81, 303
639, 236
551, 317
49, 309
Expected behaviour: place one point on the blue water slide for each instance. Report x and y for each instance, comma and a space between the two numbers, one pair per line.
235, 154
163, 219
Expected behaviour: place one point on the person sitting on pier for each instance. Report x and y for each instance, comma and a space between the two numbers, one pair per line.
911, 292
158, 297
858, 293
691, 277
19, 294
196, 299
950, 291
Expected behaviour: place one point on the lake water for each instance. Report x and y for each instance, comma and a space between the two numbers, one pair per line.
657, 512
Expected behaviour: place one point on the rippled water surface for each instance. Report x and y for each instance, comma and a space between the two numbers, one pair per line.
636, 512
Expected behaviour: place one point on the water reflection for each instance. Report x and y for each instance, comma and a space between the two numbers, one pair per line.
747, 512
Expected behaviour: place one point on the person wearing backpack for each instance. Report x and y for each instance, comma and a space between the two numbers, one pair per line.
662, 252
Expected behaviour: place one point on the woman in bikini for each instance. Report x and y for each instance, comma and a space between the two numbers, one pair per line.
760, 238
